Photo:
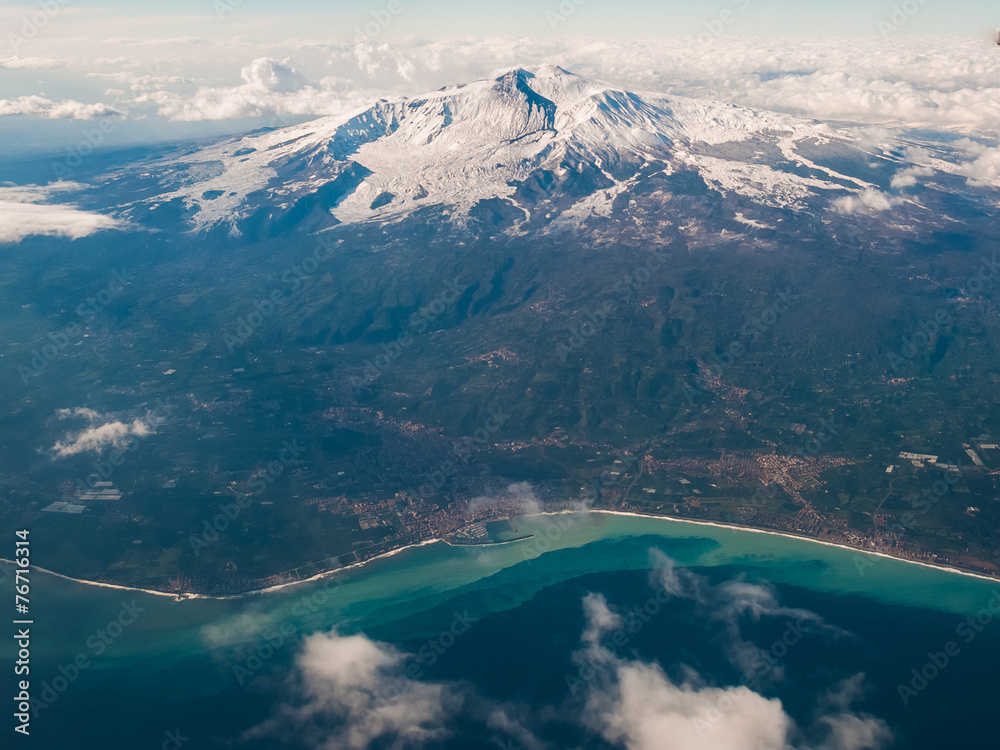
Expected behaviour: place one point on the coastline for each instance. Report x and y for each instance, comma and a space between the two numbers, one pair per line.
490, 544
788, 535
187, 596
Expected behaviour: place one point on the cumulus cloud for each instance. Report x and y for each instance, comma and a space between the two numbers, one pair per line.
642, 707
268, 74
908, 177
983, 168
23, 213
637, 705
868, 201
352, 691
270, 88
66, 109
102, 433
79, 411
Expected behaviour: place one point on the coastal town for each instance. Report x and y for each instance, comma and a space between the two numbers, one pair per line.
765, 491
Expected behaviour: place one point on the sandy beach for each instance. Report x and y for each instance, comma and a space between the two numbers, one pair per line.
736, 527
187, 596
399, 550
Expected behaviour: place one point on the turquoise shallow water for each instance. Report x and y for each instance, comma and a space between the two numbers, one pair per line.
179, 655
417, 579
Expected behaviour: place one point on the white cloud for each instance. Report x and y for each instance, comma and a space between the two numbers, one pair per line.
948, 84
908, 177
730, 603
270, 88
29, 63
600, 619
673, 579
845, 730
79, 411
97, 437
22, 214
66, 109
636, 705
984, 167
268, 74
349, 692
240, 628
519, 496
353, 691
643, 707
868, 201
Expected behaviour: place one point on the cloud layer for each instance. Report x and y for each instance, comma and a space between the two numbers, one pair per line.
22, 213
941, 83
66, 109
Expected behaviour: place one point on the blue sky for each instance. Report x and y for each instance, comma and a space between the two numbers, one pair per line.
335, 20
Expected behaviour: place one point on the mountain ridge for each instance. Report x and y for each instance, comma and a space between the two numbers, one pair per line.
531, 151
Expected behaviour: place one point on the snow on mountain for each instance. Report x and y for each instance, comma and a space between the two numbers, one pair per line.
473, 142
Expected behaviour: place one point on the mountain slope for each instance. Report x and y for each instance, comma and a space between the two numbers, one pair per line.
581, 141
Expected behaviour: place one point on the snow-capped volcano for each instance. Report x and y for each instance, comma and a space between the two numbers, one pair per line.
545, 141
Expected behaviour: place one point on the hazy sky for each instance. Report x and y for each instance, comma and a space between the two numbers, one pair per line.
335, 20
197, 67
